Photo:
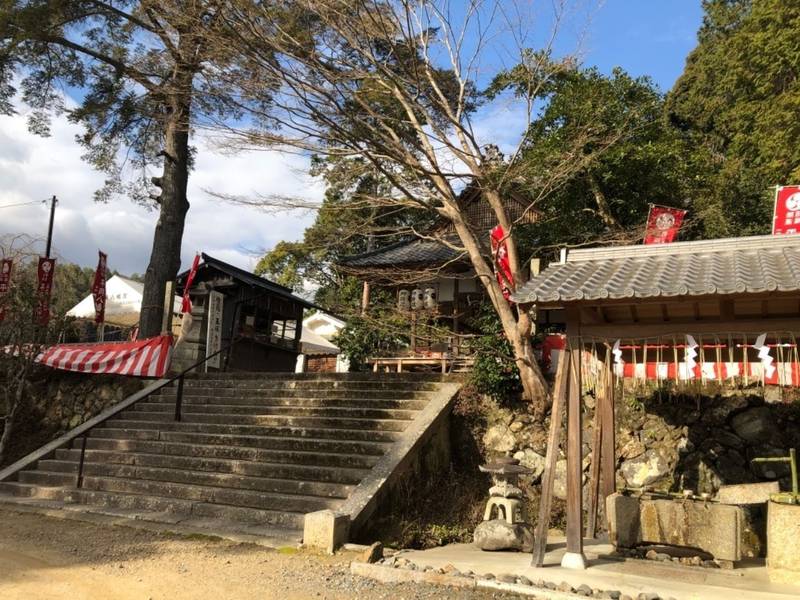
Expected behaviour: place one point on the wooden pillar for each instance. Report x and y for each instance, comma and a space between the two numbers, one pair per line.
166, 317
298, 328
608, 458
365, 298
574, 558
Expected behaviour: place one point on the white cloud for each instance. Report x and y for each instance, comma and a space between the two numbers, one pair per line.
34, 168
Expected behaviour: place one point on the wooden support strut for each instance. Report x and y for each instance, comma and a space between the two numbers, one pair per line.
574, 556
548, 476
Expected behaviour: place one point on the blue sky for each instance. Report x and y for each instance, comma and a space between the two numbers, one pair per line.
644, 37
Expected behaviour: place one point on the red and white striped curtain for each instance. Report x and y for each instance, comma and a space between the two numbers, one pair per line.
142, 358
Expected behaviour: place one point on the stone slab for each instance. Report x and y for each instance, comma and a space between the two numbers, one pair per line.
326, 530
723, 530
783, 543
747, 493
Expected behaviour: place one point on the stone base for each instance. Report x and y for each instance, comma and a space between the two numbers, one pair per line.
783, 543
574, 560
325, 530
498, 534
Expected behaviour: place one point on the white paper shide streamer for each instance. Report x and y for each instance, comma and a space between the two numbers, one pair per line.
690, 355
617, 354
763, 355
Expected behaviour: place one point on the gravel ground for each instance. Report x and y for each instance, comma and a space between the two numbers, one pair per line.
45, 558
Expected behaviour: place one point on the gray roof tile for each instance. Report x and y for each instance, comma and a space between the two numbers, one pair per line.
708, 267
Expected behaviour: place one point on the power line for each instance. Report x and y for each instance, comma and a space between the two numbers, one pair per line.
21, 204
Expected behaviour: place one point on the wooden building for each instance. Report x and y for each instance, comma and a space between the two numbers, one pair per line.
229, 303
433, 279
735, 299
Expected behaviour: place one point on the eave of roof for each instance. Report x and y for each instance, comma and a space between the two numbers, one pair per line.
406, 253
747, 265
249, 279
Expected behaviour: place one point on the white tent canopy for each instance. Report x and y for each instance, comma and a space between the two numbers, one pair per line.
123, 303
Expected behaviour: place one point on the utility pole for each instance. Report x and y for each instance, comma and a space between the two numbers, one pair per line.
53, 203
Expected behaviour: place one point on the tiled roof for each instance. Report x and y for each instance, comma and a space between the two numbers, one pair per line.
414, 252
708, 267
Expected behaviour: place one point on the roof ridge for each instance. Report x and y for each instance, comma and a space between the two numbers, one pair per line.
755, 242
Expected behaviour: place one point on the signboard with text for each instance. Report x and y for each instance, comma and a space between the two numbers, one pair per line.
214, 333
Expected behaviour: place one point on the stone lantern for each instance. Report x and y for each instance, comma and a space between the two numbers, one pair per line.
504, 526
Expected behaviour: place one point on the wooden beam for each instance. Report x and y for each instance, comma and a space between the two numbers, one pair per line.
574, 452
551, 457
634, 314
643, 330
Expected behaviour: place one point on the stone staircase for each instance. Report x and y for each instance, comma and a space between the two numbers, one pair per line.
251, 450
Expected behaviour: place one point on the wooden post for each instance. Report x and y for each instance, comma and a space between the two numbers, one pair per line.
608, 458
169, 302
298, 329
101, 332
574, 558
548, 476
365, 298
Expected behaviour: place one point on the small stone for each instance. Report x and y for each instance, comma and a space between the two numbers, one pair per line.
506, 578
516, 427
663, 557
564, 587
372, 554
550, 585
696, 561
648, 596
612, 595
584, 590
625, 597
448, 568
522, 580
651, 555
489, 576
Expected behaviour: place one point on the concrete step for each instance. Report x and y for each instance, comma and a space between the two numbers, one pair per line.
154, 503
260, 392
265, 421
211, 494
144, 430
168, 409
66, 461
195, 400
43, 476
310, 454
31, 490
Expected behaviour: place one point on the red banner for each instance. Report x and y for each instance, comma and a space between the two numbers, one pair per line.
99, 289
186, 307
663, 224
5, 283
145, 358
786, 217
41, 312
502, 267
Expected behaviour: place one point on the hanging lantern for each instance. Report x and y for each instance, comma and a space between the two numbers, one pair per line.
417, 301
403, 302
430, 298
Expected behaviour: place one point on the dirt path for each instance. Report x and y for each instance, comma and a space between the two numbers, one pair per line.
43, 558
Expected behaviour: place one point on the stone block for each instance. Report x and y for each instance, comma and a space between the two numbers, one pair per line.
498, 534
783, 543
325, 530
747, 493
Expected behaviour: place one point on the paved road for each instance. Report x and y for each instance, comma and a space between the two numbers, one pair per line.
44, 558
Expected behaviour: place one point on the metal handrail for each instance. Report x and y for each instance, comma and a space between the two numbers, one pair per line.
178, 402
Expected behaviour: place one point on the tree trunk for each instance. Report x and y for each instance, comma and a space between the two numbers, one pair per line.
165, 257
516, 328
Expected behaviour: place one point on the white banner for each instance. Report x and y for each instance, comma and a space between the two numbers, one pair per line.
214, 332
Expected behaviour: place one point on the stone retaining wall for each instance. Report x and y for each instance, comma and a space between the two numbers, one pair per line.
57, 401
670, 441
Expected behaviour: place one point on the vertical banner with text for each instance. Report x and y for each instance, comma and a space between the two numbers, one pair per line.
786, 216
5, 284
41, 312
214, 334
99, 289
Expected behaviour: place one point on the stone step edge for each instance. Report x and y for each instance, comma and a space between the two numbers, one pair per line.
133, 412
355, 471
213, 488
282, 537
58, 474
240, 435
